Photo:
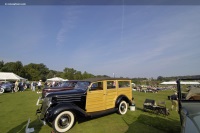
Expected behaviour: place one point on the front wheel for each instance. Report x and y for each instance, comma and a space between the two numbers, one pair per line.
1, 90
122, 108
64, 121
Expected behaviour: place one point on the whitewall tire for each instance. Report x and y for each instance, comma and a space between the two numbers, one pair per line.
122, 108
1, 90
64, 121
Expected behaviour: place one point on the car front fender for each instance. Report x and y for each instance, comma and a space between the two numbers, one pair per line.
52, 112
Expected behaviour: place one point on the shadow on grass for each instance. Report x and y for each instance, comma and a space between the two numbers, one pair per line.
82, 119
151, 124
36, 124
20, 128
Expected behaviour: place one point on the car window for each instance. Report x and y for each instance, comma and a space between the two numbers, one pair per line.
97, 86
65, 84
82, 85
124, 84
111, 85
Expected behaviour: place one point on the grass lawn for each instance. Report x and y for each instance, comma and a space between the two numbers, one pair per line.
16, 108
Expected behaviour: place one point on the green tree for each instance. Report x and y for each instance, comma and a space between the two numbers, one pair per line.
160, 78
69, 73
51, 74
36, 71
78, 75
87, 75
15, 67
1, 64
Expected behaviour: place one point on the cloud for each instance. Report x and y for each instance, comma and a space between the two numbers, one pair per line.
68, 23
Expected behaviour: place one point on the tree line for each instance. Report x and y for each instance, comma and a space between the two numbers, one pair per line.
35, 72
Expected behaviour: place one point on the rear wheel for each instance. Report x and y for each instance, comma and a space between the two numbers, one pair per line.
122, 108
64, 121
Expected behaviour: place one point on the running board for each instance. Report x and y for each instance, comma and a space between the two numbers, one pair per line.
102, 113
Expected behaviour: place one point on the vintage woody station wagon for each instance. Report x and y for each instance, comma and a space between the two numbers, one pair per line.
89, 98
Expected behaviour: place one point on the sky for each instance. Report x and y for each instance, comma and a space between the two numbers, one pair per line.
125, 41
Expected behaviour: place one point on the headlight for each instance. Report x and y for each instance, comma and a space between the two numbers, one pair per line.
48, 101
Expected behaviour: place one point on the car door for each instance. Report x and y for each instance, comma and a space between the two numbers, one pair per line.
95, 100
111, 94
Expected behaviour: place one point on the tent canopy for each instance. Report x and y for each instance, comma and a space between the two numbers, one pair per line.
174, 83
10, 76
55, 79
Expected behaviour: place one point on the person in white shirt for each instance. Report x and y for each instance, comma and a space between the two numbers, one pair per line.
39, 86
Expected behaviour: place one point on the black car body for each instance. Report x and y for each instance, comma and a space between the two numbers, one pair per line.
89, 98
189, 105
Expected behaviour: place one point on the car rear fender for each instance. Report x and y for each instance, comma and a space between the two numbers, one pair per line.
54, 111
122, 97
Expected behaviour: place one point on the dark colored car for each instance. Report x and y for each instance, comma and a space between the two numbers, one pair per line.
90, 98
66, 85
7, 86
189, 105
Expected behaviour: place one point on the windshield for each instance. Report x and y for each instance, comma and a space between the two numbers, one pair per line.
82, 85
68, 84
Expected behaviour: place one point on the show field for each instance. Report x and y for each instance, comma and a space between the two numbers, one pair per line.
17, 108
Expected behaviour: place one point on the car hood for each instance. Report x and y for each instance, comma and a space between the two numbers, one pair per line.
191, 114
57, 88
196, 120
192, 124
68, 92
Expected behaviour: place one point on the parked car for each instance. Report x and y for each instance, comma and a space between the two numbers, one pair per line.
7, 87
89, 98
189, 110
66, 85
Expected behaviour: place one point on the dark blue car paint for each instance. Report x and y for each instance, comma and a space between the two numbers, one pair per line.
7, 86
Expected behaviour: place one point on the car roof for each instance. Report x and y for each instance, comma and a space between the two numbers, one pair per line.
104, 78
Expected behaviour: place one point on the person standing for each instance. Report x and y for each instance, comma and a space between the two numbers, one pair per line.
174, 100
53, 84
39, 86
34, 85
21, 86
16, 88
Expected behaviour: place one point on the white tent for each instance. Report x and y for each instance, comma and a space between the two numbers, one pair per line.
168, 83
174, 82
55, 79
10, 76
190, 83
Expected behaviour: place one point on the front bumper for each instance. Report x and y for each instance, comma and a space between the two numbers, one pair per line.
38, 113
43, 111
39, 101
